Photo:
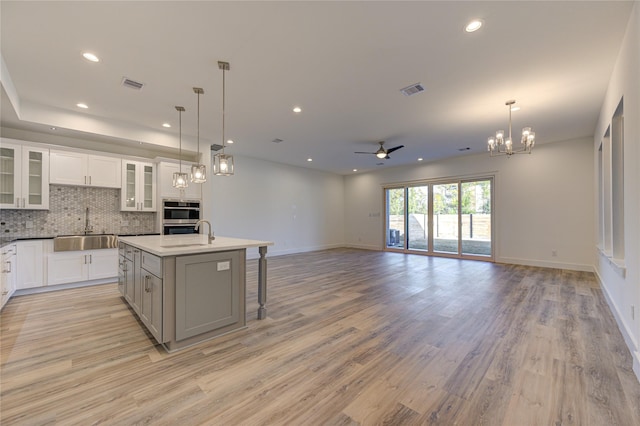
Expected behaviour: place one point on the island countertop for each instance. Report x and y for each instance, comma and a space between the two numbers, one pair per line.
177, 245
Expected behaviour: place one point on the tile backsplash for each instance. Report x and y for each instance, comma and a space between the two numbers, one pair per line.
66, 215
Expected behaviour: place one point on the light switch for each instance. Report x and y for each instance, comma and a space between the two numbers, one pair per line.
224, 266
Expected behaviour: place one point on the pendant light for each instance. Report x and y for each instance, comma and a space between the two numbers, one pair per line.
223, 163
198, 171
179, 178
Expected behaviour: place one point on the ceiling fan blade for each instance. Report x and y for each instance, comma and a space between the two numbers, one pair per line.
395, 148
360, 152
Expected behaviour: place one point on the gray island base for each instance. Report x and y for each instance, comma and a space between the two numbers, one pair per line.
186, 290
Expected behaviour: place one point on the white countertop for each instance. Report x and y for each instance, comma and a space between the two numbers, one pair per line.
176, 245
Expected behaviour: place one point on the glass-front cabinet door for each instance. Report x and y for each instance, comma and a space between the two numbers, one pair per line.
24, 177
138, 186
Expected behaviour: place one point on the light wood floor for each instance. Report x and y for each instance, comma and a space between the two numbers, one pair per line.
352, 337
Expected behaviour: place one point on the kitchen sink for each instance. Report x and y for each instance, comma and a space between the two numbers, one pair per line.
85, 242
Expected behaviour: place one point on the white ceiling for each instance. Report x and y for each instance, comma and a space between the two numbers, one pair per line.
343, 63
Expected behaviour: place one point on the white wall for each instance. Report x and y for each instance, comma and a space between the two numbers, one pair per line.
622, 285
543, 202
299, 209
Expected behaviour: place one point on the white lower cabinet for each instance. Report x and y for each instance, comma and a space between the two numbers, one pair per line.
76, 266
30, 264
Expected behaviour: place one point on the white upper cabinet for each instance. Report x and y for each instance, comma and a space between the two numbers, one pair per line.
165, 182
79, 169
138, 186
24, 177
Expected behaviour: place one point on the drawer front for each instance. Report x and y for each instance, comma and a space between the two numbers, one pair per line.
152, 264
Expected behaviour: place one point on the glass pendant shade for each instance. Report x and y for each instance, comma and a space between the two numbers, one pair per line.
198, 173
223, 164
180, 180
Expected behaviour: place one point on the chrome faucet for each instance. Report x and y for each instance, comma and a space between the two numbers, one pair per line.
87, 228
211, 236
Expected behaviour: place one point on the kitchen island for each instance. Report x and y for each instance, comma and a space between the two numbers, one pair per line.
186, 289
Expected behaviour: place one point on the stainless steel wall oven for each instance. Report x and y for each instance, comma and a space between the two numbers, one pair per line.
180, 216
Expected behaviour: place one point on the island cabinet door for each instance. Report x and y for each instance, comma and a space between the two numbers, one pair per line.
129, 272
151, 305
207, 292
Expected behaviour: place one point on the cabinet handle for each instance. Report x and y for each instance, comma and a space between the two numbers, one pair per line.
90, 258
23, 203
17, 202
8, 267
89, 180
85, 180
146, 283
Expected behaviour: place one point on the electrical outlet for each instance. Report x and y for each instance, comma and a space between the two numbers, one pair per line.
554, 253
633, 312
28, 224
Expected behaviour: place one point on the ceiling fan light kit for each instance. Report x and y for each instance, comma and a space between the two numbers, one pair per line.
382, 153
498, 145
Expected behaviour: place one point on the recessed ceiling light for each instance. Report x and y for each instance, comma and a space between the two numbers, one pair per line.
309, 159
90, 57
81, 105
355, 170
515, 108
297, 109
229, 141
473, 26
420, 159
53, 128
167, 125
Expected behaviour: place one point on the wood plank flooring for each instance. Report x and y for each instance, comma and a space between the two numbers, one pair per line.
352, 337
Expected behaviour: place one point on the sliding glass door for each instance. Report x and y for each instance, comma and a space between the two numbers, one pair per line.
450, 218
418, 217
475, 202
445, 218
395, 208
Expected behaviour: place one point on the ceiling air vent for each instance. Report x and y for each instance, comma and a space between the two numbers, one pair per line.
412, 90
131, 84
277, 140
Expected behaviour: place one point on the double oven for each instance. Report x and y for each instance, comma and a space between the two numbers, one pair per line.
180, 216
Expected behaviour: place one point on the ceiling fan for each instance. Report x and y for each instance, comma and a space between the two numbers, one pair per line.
381, 152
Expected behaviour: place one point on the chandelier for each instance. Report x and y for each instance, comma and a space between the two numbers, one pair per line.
223, 163
498, 145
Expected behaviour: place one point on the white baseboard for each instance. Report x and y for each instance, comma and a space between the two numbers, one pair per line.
273, 251
622, 326
48, 288
546, 264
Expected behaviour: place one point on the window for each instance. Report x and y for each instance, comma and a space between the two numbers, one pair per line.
611, 189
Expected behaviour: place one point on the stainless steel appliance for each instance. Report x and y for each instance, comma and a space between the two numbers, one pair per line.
180, 216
